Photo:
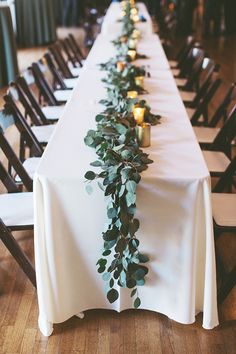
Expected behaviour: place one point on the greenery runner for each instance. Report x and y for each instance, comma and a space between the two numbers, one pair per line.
121, 161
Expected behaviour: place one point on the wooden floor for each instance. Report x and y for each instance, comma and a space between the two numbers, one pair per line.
103, 332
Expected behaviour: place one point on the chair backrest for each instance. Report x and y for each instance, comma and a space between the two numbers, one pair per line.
14, 162
183, 53
23, 127
195, 70
60, 60
58, 79
75, 57
18, 96
207, 70
225, 181
226, 134
75, 45
43, 86
202, 108
23, 85
221, 111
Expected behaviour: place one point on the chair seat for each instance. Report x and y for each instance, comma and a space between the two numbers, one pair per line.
43, 132
173, 63
190, 112
70, 83
224, 207
187, 96
75, 71
30, 165
180, 82
16, 209
53, 112
175, 71
206, 135
62, 95
216, 161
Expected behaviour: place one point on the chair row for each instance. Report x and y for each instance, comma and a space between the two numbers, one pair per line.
197, 77
33, 104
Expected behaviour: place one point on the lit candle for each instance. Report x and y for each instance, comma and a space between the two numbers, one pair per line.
134, 11
120, 65
132, 54
138, 113
132, 43
132, 94
135, 18
132, 2
143, 133
139, 81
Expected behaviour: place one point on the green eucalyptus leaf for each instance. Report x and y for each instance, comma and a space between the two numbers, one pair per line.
112, 295
137, 303
90, 175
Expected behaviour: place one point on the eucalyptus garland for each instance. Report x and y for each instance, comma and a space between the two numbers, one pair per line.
121, 162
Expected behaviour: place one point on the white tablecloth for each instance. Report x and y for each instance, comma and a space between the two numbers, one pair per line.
111, 25
173, 205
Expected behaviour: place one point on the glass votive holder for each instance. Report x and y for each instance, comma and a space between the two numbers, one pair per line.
132, 94
143, 133
139, 113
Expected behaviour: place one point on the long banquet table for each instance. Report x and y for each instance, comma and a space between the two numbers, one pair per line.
173, 206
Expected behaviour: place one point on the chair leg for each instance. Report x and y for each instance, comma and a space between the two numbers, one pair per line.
227, 286
15, 250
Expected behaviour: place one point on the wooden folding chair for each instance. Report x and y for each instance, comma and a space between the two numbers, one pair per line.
16, 213
224, 217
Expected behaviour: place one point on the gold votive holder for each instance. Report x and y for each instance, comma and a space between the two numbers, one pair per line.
135, 18
132, 43
132, 94
139, 113
139, 81
120, 65
132, 54
143, 133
